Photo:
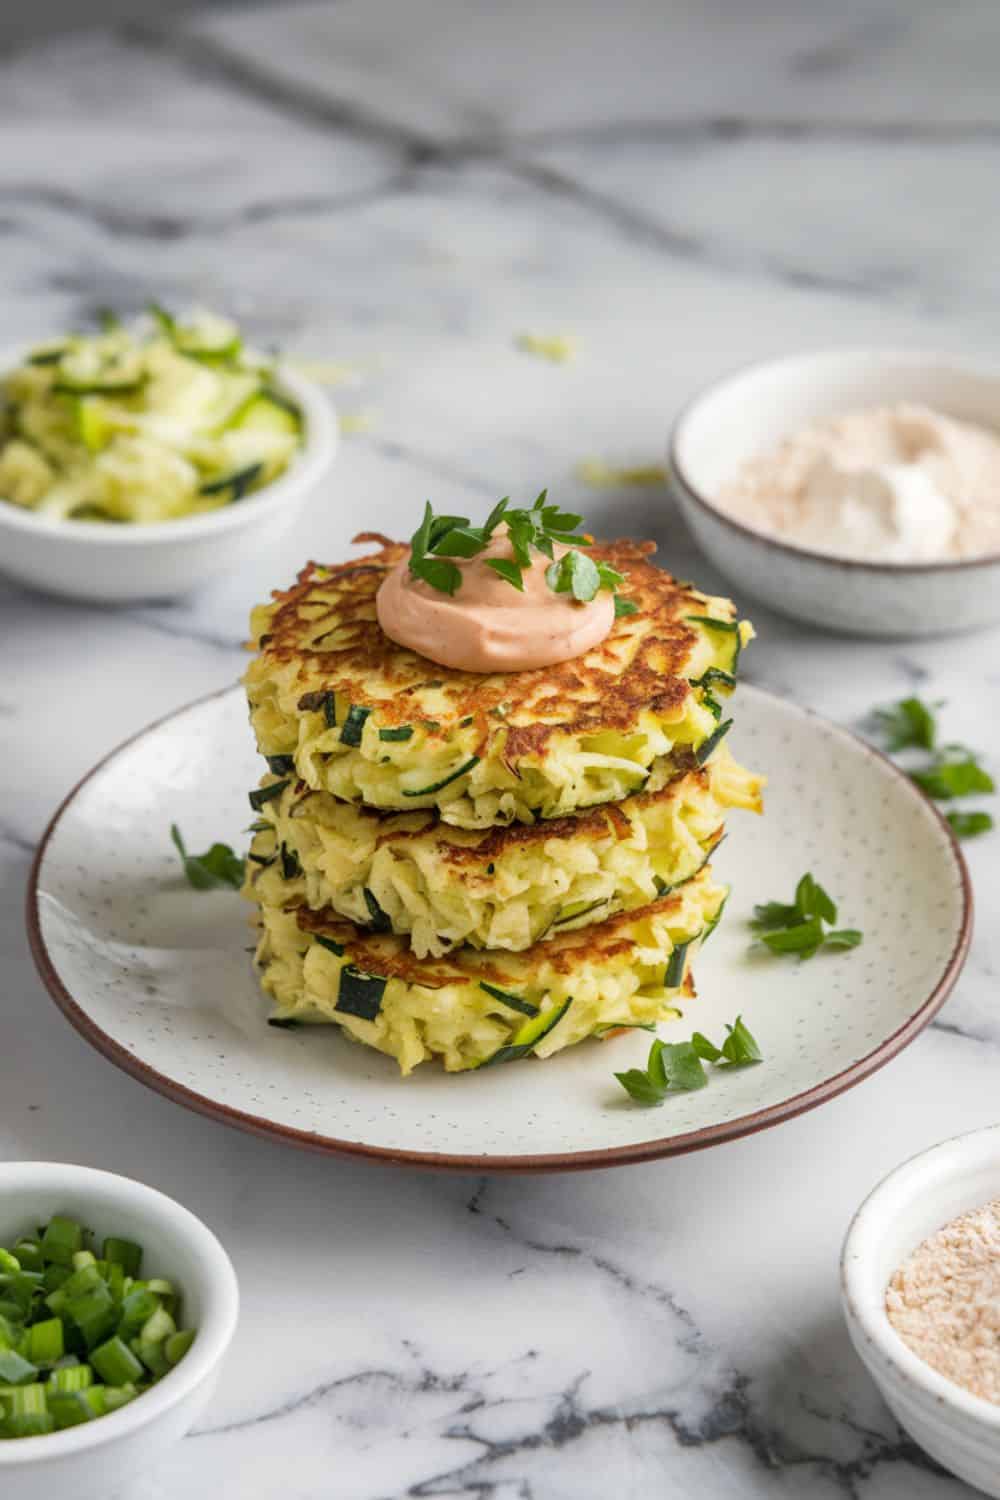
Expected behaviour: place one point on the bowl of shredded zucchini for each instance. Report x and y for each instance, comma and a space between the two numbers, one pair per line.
117, 1307
141, 459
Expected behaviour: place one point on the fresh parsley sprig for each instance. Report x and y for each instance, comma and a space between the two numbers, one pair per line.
952, 771
678, 1067
955, 772
907, 723
802, 926
440, 538
969, 825
217, 869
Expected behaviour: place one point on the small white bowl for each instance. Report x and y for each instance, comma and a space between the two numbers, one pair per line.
96, 1457
749, 412
960, 1430
107, 564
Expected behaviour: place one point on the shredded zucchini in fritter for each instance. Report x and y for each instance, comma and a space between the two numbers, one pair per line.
612, 975
506, 888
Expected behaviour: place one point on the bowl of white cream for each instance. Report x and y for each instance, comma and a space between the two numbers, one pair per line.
854, 489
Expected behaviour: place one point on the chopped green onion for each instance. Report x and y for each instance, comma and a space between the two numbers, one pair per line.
14, 1370
84, 1280
97, 1306
27, 1424
23, 1288
61, 1240
114, 1275
45, 1341
94, 1397
152, 1355
118, 1395
70, 1408
138, 1306
115, 1362
29, 1254
93, 1314
404, 732
54, 1277
157, 1326
71, 1378
178, 1344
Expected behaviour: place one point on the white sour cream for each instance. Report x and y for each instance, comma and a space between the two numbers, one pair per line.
891, 512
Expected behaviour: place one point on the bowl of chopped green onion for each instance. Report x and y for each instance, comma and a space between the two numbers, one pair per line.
117, 1307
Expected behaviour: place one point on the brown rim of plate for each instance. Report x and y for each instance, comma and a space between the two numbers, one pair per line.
675, 471
562, 1161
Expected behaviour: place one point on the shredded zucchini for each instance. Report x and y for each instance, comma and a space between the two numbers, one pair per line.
143, 423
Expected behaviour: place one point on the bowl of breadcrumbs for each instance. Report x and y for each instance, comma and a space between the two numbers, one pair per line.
920, 1286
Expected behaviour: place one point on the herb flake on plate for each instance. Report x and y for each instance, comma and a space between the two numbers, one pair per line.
804, 925
678, 1067
219, 868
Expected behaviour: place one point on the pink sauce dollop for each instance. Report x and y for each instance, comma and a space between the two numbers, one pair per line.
488, 625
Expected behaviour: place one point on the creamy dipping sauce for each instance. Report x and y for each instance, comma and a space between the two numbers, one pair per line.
487, 625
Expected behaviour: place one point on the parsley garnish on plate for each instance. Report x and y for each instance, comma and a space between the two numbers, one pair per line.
678, 1067
438, 539
907, 723
969, 825
217, 869
955, 772
803, 925
952, 770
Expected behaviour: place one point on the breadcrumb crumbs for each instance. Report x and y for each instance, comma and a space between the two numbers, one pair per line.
944, 1301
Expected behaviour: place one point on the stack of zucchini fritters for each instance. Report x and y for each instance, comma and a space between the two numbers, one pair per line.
474, 867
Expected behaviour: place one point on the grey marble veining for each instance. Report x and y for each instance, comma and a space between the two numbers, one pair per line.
404, 189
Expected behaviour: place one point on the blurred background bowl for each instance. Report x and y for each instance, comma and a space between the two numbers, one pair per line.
751, 411
120, 564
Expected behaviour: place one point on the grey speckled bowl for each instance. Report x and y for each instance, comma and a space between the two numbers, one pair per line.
750, 411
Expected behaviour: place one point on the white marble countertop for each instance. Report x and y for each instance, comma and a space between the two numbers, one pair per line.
405, 189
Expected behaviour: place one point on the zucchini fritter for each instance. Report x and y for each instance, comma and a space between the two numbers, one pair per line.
475, 1008
505, 887
371, 722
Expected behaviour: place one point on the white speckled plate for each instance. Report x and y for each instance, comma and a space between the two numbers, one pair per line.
158, 976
